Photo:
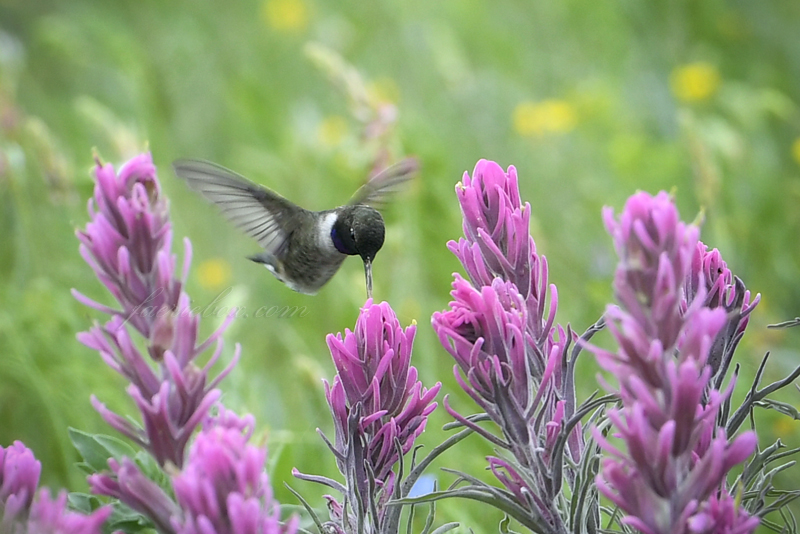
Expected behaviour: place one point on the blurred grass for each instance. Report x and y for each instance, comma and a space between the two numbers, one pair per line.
590, 101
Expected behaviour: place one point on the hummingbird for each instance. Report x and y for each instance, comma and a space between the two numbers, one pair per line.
302, 248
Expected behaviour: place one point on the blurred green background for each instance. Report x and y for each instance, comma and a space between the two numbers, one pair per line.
591, 101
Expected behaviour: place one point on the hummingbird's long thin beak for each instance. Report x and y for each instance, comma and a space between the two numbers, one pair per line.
368, 272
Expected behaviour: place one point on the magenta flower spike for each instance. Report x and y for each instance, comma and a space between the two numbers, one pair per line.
497, 241
375, 375
223, 488
376, 402
19, 478
373, 363
510, 355
485, 333
128, 243
675, 301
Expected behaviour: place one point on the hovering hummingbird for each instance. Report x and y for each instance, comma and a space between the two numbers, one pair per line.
302, 248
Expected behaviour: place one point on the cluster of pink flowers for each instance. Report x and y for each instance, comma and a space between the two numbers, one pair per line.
128, 243
379, 408
511, 356
24, 511
220, 486
681, 315
673, 295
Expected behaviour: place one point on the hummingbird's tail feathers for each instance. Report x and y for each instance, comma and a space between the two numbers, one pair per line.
379, 189
278, 268
272, 263
261, 213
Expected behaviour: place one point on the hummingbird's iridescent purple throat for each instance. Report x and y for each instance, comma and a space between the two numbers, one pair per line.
302, 248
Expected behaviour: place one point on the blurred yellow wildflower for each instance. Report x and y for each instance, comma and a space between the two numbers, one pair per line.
796, 150
383, 91
332, 130
285, 15
783, 427
694, 82
547, 116
213, 274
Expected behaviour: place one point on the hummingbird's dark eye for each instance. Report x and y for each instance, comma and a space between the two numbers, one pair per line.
352, 234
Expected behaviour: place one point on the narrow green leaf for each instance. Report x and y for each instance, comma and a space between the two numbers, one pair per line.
447, 527
94, 454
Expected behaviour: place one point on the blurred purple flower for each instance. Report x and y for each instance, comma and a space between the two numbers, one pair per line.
676, 459
127, 483
513, 480
376, 401
19, 478
128, 244
223, 488
710, 277
510, 354
50, 516
655, 250
24, 514
721, 515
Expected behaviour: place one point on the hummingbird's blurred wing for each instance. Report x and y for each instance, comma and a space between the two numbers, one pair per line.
261, 213
379, 189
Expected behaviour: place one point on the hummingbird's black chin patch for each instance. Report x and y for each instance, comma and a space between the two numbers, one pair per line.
369, 238
368, 245
358, 230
